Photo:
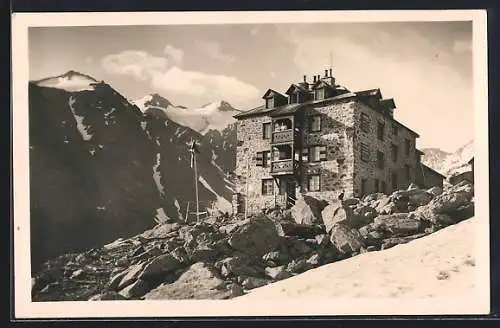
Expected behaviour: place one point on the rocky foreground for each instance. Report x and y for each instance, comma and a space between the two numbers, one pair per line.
225, 257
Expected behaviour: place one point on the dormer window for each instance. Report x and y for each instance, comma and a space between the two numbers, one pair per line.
270, 102
319, 94
294, 98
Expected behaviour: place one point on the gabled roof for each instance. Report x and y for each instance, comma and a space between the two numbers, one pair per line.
432, 170
294, 87
321, 84
471, 160
271, 92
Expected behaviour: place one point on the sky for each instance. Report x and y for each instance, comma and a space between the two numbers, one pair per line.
426, 67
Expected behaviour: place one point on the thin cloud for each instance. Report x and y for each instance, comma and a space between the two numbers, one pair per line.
176, 54
138, 64
213, 51
212, 86
163, 75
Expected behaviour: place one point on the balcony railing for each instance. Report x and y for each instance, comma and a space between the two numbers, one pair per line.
282, 136
284, 166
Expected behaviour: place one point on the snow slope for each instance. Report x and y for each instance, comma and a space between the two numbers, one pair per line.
441, 265
213, 116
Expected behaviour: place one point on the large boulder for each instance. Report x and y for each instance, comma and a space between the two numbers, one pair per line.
135, 290
398, 224
307, 210
257, 237
341, 213
200, 281
160, 265
131, 275
239, 266
347, 240
300, 230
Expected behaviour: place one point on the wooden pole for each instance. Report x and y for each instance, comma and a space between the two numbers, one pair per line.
187, 212
196, 189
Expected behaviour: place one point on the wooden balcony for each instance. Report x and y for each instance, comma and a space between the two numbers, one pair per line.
284, 136
282, 167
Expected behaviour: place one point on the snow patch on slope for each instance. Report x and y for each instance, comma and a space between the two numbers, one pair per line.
157, 175
221, 203
82, 128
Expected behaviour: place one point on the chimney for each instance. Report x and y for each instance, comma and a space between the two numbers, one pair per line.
326, 73
305, 79
330, 72
318, 77
314, 78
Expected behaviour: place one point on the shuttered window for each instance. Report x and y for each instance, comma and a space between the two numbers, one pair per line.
266, 158
394, 180
380, 160
407, 147
314, 182
365, 123
270, 102
376, 185
317, 153
305, 155
407, 173
394, 149
267, 187
383, 187
365, 152
380, 130
315, 124
363, 187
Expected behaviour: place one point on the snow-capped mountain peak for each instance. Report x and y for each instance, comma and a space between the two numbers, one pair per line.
71, 81
449, 163
212, 116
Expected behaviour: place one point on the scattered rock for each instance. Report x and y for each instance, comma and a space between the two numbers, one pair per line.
300, 230
200, 281
77, 274
277, 273
254, 282
435, 191
257, 237
237, 266
398, 224
278, 257
131, 275
135, 290
108, 296
307, 210
346, 239
160, 265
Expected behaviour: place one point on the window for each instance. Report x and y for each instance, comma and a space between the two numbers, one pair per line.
380, 130
407, 147
383, 187
267, 187
314, 183
395, 129
259, 158
376, 184
394, 153
365, 123
394, 180
305, 155
315, 123
270, 102
363, 187
407, 173
365, 153
294, 98
317, 153
380, 160
319, 94
266, 131
266, 157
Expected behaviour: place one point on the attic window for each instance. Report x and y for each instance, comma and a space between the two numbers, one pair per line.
294, 98
319, 94
270, 102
